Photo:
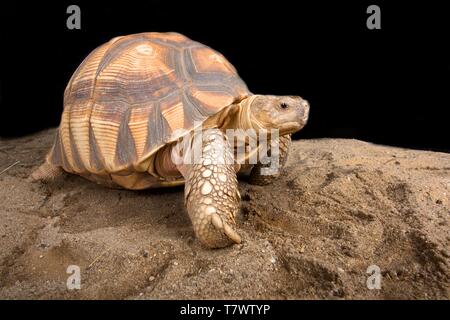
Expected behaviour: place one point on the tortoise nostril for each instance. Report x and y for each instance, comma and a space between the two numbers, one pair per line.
284, 106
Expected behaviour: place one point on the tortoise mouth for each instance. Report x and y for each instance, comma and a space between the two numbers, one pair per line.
291, 127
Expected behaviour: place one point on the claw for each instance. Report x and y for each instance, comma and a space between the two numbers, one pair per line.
216, 220
233, 235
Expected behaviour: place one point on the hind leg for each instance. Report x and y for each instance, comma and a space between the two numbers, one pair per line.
46, 173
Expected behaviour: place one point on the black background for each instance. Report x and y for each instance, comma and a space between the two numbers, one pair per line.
388, 86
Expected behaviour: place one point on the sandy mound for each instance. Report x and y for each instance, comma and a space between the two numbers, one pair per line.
341, 206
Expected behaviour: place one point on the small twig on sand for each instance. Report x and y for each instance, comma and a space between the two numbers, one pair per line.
390, 160
4, 170
97, 258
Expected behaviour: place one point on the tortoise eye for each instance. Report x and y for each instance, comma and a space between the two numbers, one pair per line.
284, 106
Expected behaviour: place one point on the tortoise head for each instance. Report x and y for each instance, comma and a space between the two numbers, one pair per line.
288, 114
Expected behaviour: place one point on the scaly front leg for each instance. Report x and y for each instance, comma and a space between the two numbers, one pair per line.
211, 192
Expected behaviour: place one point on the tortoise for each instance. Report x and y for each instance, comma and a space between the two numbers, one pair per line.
134, 99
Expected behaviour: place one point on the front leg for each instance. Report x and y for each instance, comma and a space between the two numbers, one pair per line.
257, 178
211, 192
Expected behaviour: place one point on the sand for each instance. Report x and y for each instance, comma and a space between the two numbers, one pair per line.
340, 207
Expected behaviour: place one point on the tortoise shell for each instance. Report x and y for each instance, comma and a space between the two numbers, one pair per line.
129, 95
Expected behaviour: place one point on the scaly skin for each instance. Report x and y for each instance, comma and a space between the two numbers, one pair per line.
255, 175
46, 173
211, 192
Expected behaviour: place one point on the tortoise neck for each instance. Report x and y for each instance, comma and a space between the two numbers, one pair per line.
245, 118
